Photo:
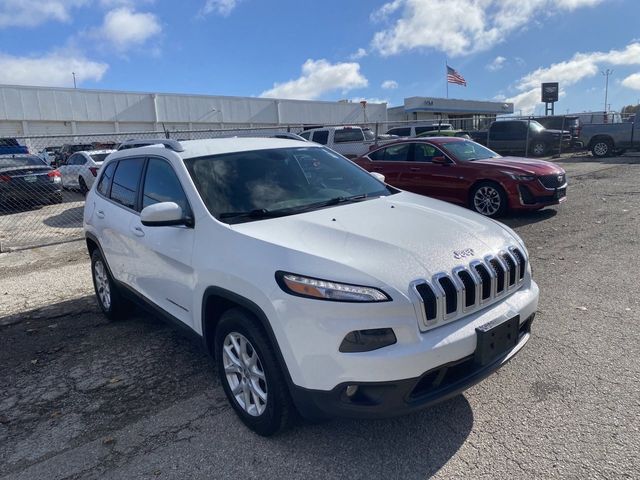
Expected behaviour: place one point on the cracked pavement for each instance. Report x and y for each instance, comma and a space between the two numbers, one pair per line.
81, 397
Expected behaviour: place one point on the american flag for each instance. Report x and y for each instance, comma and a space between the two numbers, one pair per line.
455, 77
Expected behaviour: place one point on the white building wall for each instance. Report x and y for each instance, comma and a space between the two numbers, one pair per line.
44, 110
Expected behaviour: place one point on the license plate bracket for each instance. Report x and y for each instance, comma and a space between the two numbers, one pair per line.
496, 338
31, 179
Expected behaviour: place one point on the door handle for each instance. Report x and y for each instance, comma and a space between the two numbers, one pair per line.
414, 169
138, 232
100, 214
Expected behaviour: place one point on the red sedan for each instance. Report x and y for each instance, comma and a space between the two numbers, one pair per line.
464, 172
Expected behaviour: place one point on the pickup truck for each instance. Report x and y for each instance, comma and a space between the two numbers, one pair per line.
605, 139
509, 136
350, 142
10, 146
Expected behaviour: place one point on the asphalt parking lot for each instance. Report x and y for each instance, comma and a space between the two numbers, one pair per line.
41, 224
81, 397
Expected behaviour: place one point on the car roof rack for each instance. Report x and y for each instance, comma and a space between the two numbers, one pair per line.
174, 145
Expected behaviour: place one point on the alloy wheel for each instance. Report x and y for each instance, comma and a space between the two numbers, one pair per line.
102, 284
601, 149
244, 374
538, 149
487, 200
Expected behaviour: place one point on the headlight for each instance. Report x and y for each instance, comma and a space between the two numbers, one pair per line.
327, 290
521, 178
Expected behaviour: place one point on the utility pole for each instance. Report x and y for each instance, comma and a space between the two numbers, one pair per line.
606, 74
74, 79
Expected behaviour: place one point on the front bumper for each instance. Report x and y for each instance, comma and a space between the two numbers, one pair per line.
394, 398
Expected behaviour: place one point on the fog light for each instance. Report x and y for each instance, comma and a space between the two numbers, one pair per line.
352, 390
367, 340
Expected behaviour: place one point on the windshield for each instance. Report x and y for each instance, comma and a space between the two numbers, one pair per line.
245, 186
468, 151
535, 126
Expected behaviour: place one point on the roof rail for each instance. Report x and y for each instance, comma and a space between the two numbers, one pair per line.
174, 145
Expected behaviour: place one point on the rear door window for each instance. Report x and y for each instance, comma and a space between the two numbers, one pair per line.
321, 137
105, 180
305, 135
393, 153
124, 187
348, 135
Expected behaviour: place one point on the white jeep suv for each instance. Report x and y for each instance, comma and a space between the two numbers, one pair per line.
316, 287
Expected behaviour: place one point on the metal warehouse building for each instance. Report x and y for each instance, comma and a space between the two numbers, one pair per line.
465, 114
32, 111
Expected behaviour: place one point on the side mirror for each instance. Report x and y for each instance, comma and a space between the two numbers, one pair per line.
164, 214
378, 176
440, 160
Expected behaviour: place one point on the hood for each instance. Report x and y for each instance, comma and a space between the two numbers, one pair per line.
386, 241
524, 165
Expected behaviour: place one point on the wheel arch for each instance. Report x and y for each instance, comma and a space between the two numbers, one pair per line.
217, 300
599, 138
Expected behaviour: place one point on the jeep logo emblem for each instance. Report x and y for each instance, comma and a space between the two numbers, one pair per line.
458, 254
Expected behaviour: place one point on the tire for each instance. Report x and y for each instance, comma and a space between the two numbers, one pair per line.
488, 199
112, 303
255, 376
538, 148
83, 186
602, 148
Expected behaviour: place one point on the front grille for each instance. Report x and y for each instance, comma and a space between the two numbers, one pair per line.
552, 181
471, 286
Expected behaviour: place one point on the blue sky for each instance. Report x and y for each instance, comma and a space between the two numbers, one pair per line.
330, 49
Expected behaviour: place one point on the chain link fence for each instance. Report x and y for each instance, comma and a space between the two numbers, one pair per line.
42, 201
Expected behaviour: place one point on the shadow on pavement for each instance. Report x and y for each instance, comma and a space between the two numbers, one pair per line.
526, 218
70, 218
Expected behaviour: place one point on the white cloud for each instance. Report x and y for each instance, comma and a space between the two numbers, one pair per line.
632, 81
570, 72
125, 28
360, 53
219, 7
389, 84
497, 64
460, 27
369, 100
319, 77
51, 70
31, 13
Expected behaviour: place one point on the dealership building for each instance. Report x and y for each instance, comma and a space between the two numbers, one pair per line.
463, 114
34, 111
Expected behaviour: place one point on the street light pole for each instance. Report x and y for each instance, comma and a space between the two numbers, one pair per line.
74, 79
606, 74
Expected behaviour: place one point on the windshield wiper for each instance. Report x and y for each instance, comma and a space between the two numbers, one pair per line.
257, 214
338, 200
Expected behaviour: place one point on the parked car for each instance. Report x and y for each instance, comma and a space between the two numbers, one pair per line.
463, 172
570, 123
48, 154
314, 285
81, 168
418, 129
510, 136
348, 141
606, 139
27, 178
445, 133
9, 146
68, 149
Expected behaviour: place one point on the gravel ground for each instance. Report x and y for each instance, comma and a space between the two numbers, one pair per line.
84, 398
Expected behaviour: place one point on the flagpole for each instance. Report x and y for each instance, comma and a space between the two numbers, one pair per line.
446, 75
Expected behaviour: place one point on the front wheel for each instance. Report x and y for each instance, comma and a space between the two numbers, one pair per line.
489, 199
251, 375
